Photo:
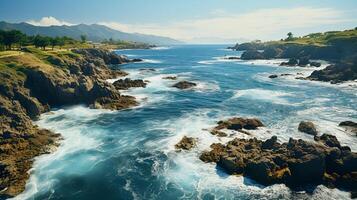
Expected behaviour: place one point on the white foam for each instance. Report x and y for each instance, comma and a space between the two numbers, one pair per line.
161, 48
277, 97
76, 138
153, 61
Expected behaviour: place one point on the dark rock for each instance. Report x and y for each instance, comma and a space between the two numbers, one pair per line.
238, 123
303, 61
252, 55
170, 77
124, 84
233, 58
186, 143
328, 140
136, 60
348, 123
315, 64
291, 62
273, 76
184, 85
307, 127
336, 73
295, 163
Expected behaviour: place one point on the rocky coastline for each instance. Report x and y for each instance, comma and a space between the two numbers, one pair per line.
34, 82
341, 51
296, 163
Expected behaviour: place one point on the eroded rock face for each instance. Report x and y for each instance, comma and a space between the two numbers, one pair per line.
124, 84
24, 98
184, 85
186, 143
107, 56
294, 163
336, 73
307, 127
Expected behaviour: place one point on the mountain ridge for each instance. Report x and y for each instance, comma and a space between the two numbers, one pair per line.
94, 32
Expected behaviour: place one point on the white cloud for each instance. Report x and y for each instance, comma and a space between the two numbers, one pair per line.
262, 24
48, 21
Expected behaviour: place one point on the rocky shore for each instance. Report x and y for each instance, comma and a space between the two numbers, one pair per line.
296, 163
339, 48
36, 81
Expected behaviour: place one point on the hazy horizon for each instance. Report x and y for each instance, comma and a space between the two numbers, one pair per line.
206, 22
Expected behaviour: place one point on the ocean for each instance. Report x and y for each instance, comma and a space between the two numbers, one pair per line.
130, 154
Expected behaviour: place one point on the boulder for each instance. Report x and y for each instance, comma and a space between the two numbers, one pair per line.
170, 77
307, 127
238, 123
291, 62
184, 85
273, 76
124, 84
186, 143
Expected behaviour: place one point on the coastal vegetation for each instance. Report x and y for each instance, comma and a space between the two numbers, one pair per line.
337, 47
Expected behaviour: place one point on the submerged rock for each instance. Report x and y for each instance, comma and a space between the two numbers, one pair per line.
186, 143
295, 163
307, 127
184, 85
170, 77
124, 84
273, 76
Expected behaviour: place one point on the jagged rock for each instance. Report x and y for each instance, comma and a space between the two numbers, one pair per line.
252, 55
124, 84
295, 163
291, 62
238, 123
349, 126
170, 77
273, 76
307, 127
184, 85
218, 133
186, 143
336, 73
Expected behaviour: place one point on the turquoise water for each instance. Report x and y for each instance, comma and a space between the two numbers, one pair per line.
130, 154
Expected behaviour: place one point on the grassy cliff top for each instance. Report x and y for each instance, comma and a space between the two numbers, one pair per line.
13, 63
321, 39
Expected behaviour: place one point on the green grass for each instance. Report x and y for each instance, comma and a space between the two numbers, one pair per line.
322, 39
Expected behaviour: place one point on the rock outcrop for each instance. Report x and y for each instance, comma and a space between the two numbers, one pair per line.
238, 123
186, 143
307, 127
336, 73
124, 84
295, 163
42, 81
184, 85
350, 126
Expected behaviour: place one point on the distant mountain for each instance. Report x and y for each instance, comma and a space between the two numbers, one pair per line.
93, 32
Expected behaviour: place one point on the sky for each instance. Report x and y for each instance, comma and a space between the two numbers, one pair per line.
192, 21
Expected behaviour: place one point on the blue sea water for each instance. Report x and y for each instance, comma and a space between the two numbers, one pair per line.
130, 154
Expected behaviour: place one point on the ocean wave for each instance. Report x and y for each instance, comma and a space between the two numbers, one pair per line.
78, 137
153, 61
161, 48
278, 97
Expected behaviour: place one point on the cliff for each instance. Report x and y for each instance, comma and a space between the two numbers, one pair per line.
33, 82
338, 47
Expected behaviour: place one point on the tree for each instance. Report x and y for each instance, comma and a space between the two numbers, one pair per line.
61, 42
12, 37
83, 38
290, 36
54, 42
42, 41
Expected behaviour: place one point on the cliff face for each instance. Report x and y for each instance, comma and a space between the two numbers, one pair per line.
35, 81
